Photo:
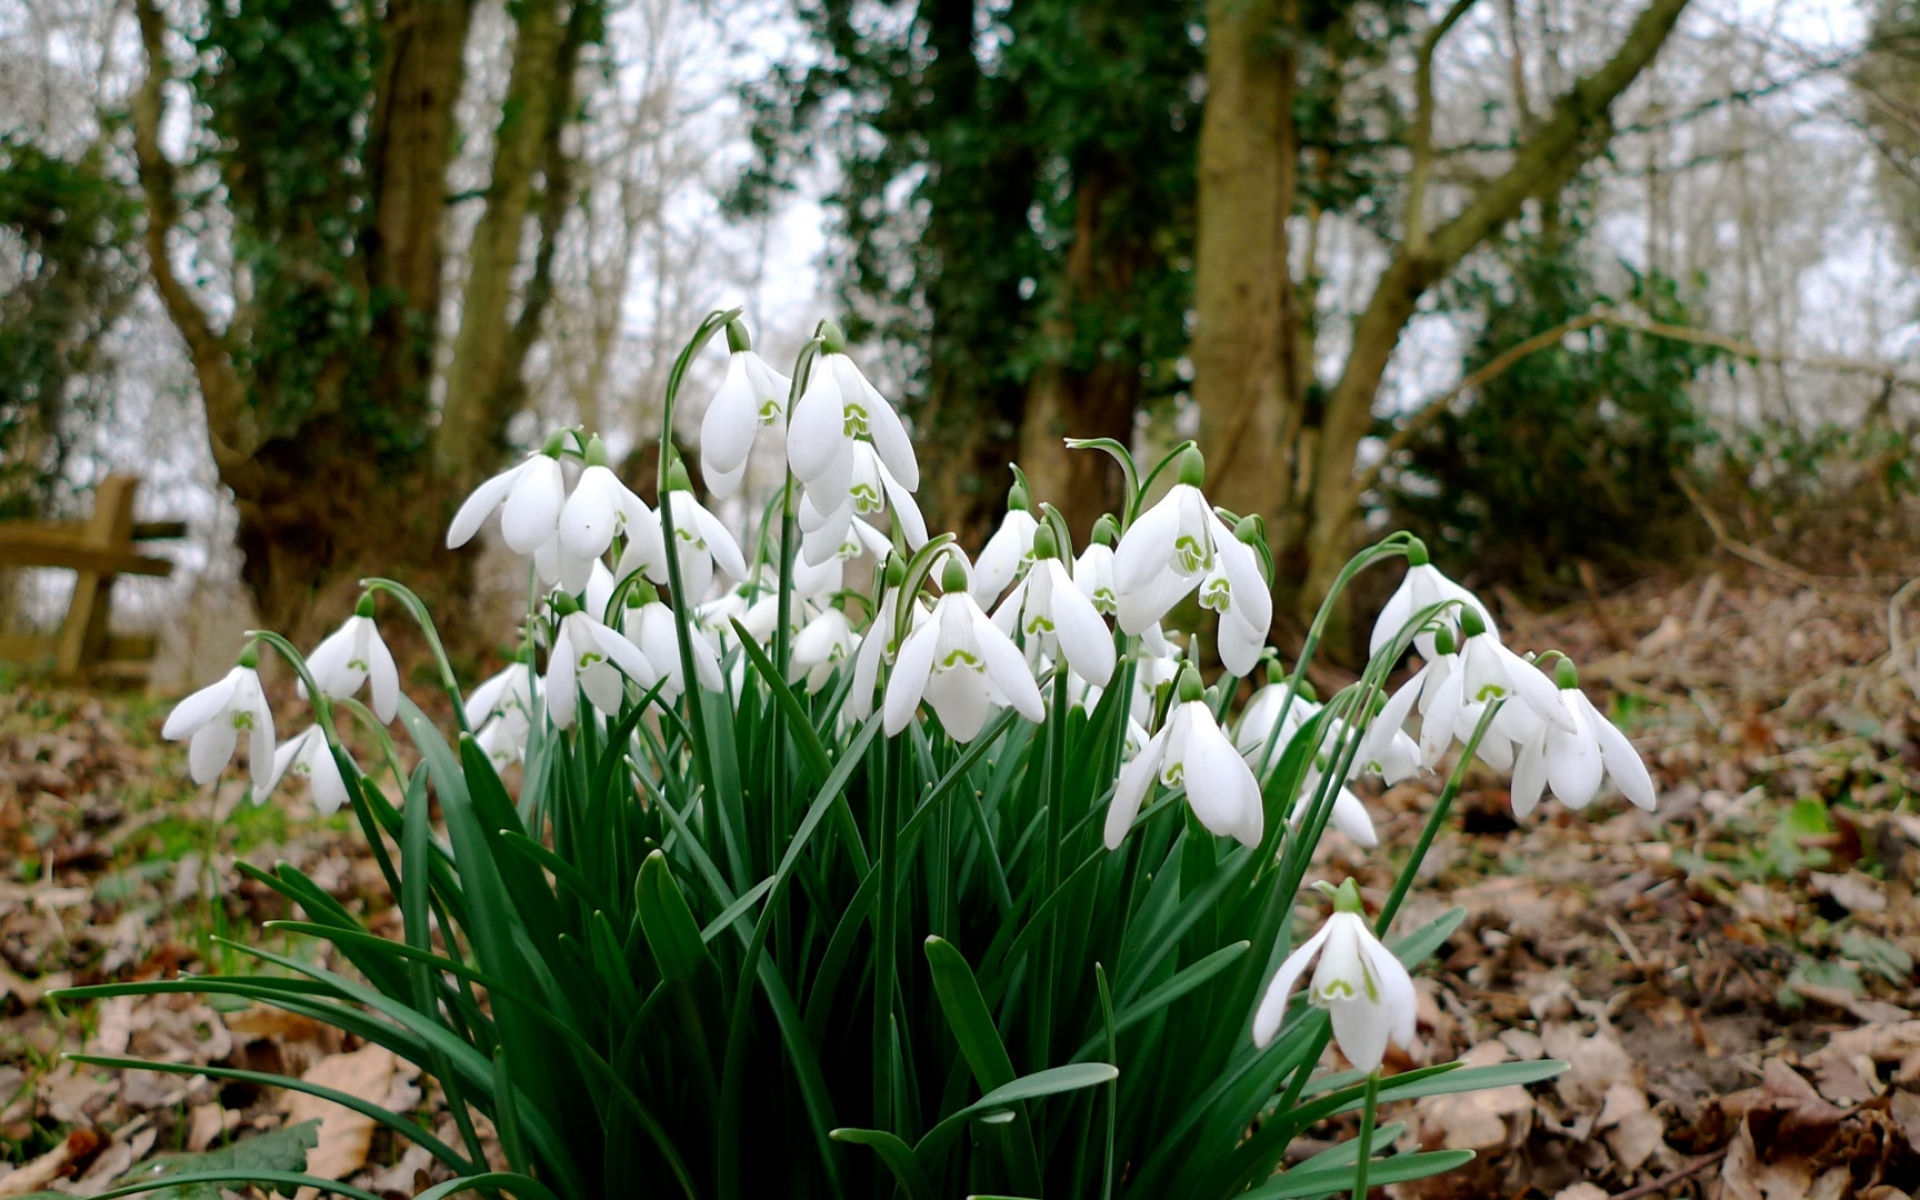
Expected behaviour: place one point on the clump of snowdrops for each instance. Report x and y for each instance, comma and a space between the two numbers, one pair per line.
970, 882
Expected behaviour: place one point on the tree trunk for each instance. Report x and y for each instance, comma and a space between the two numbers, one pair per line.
1574, 131
1247, 375
471, 420
1071, 396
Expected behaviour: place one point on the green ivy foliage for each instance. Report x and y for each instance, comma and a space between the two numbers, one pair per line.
286, 87
1575, 452
67, 273
975, 146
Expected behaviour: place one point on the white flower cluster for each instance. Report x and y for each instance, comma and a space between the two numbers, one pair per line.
1027, 615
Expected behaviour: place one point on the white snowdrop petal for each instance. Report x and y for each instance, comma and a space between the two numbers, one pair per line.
1352, 818
1242, 566
1006, 667
1147, 546
1529, 775
201, 707
816, 432
211, 749
562, 689
1574, 768
961, 699
1396, 613
1084, 638
479, 505
1361, 1030
384, 675
911, 669
731, 420
1130, 790
531, 512
591, 515
1622, 761
1397, 995
1273, 1004
1240, 644
890, 438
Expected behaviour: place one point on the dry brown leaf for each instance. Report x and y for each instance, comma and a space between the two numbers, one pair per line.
1839, 1080
1744, 1177
1853, 891
1905, 1111
36, 1175
1581, 1191
207, 1122
1594, 1064
114, 1033
345, 1135
1472, 1120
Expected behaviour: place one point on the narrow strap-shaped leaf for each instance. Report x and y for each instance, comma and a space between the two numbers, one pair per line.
799, 723
290, 1180
519, 1185
1161, 997
1401, 1168
896, 1154
367, 1108
973, 1029
733, 912
1049, 1082
672, 934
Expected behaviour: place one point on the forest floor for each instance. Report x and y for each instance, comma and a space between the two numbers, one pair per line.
1731, 978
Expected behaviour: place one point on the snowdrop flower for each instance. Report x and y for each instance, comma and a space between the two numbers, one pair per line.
1422, 588
1349, 815
529, 496
600, 509
751, 399
838, 408
308, 756
659, 639
1093, 570
1174, 547
508, 692
825, 643
879, 646
214, 717
961, 665
1363, 987
504, 740
586, 654
702, 542
1488, 671
1254, 737
1056, 618
826, 518
355, 654
1573, 763
1191, 752
1246, 612
1007, 551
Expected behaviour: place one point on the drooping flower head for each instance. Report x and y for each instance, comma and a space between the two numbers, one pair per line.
529, 496
355, 654
308, 756
838, 408
1363, 987
1574, 763
1055, 618
1423, 587
751, 402
214, 718
1191, 752
587, 655
961, 664
1008, 550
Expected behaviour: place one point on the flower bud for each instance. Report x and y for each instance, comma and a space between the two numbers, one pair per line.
1443, 642
1471, 625
1193, 467
896, 571
1190, 689
1044, 545
1276, 674
555, 443
249, 656
1106, 530
953, 576
1346, 898
564, 604
1248, 530
677, 480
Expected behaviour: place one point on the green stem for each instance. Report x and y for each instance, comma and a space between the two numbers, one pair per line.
1365, 1160
886, 917
1055, 788
1434, 821
417, 609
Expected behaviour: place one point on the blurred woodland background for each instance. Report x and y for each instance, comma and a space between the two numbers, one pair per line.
1568, 288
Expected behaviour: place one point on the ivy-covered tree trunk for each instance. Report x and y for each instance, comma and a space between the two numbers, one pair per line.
332, 130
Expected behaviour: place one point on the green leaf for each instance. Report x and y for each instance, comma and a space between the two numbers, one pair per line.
672, 933
896, 1154
1401, 1168
1418, 946
282, 1150
967, 1015
1878, 955
1050, 1082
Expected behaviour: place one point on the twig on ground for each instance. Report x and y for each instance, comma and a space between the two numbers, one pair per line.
1667, 1181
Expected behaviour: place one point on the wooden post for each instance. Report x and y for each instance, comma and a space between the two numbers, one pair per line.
83, 635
